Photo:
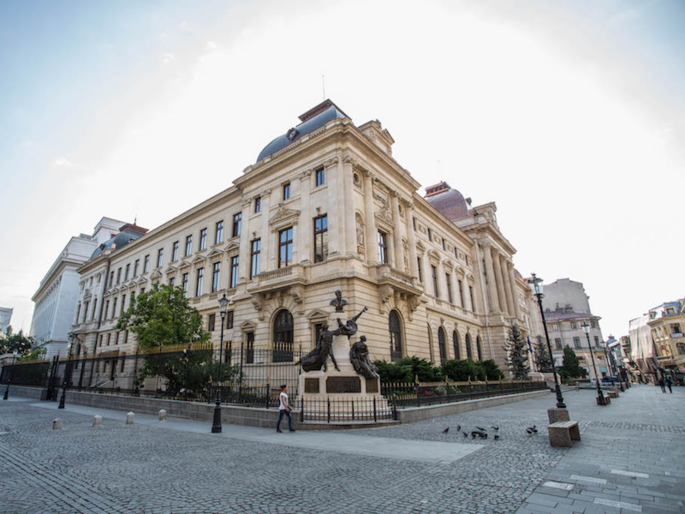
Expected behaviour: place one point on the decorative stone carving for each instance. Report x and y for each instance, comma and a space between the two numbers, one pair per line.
360, 233
405, 252
283, 213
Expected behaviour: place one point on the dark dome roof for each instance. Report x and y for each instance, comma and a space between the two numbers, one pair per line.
120, 240
327, 111
450, 202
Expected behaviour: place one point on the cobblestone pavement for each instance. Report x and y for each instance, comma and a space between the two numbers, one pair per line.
145, 468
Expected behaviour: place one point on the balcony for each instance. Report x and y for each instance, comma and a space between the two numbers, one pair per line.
280, 278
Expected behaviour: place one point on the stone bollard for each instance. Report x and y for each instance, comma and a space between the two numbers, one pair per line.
97, 422
129, 418
57, 424
162, 415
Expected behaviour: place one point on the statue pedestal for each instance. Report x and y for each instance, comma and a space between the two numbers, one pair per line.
343, 395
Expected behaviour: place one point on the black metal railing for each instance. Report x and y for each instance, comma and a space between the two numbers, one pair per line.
348, 410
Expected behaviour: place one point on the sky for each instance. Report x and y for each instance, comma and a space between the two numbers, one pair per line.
570, 115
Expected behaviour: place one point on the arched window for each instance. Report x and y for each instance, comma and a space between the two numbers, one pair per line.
467, 339
479, 348
455, 343
283, 336
395, 336
442, 344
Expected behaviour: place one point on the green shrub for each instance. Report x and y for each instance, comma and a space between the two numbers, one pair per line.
407, 369
461, 370
492, 370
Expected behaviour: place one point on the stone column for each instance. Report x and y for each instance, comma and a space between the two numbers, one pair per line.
492, 287
396, 233
502, 295
442, 282
507, 286
468, 298
244, 252
268, 239
370, 220
335, 207
304, 240
411, 240
347, 170
512, 281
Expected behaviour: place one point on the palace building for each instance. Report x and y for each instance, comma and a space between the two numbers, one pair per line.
324, 207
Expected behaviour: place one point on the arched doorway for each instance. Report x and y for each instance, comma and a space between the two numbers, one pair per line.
283, 336
467, 339
395, 327
456, 344
442, 344
479, 348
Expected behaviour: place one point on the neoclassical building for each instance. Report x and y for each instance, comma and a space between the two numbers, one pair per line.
326, 207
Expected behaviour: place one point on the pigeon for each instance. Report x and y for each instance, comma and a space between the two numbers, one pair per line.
483, 435
474, 434
496, 437
458, 427
530, 431
466, 434
481, 429
446, 430
496, 429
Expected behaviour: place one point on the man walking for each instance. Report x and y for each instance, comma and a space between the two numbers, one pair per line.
662, 384
284, 409
669, 384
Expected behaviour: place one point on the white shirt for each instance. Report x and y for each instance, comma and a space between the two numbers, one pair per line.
283, 400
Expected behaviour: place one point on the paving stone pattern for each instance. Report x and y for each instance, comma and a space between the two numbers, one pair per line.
149, 469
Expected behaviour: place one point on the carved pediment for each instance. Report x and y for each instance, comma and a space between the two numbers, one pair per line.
184, 264
215, 253
200, 259
156, 275
170, 270
317, 314
232, 245
283, 213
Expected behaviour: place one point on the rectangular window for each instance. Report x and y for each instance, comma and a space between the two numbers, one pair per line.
456, 255
172, 281
114, 308
466, 258
413, 221
574, 324
203, 239
320, 238
109, 339
434, 271
420, 269
449, 287
285, 247
189, 245
146, 264
320, 177
286, 192
133, 299
234, 272
78, 314
254, 257
186, 277
219, 232
237, 219
127, 272
118, 275
597, 341
383, 247
258, 204
160, 257
557, 343
430, 236
229, 319
471, 297
136, 266
215, 276
592, 324
200, 278
461, 293
576, 342
174, 252
444, 247
123, 304
249, 348
116, 339
95, 308
111, 279
106, 309
210, 322
555, 326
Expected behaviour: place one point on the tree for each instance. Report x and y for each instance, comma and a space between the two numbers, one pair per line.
570, 365
517, 354
541, 356
18, 342
163, 317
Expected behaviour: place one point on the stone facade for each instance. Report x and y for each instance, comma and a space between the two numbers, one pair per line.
667, 324
326, 207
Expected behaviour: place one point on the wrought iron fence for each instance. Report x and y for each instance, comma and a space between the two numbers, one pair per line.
251, 375
346, 410
403, 395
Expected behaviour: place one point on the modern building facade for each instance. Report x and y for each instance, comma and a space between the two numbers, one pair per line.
56, 297
567, 308
325, 207
5, 318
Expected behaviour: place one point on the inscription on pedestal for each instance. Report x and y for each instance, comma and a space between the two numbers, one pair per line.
311, 385
343, 385
371, 385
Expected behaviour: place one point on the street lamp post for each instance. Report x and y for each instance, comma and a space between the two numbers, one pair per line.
537, 285
66, 373
9, 380
600, 395
223, 308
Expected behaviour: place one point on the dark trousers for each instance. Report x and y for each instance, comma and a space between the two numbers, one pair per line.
282, 413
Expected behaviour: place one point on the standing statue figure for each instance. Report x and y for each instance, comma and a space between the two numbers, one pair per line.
317, 358
359, 357
339, 302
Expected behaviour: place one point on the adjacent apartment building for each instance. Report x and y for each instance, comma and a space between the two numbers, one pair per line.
5, 318
57, 296
324, 207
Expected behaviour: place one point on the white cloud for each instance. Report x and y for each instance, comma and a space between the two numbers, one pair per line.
62, 163
168, 58
211, 46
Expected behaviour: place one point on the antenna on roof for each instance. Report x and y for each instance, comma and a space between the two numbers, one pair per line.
323, 86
